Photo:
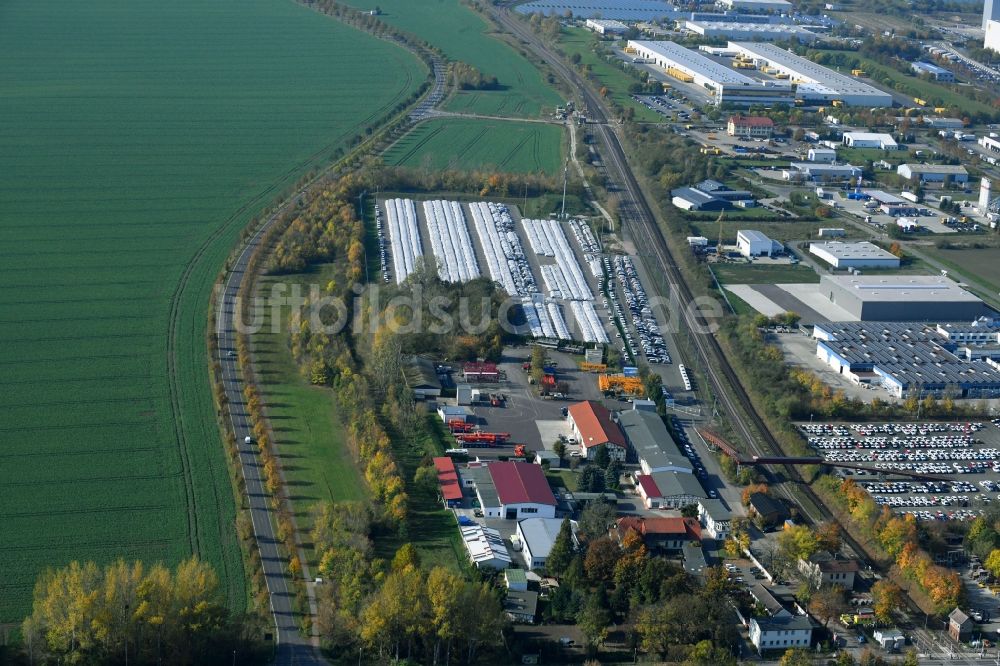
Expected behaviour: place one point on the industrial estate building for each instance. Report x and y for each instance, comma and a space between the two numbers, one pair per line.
749, 31
750, 127
652, 443
820, 171
854, 255
752, 243
904, 359
757, 5
607, 27
510, 490
991, 24
879, 140
537, 536
814, 83
726, 85
711, 195
669, 490
935, 72
902, 298
934, 173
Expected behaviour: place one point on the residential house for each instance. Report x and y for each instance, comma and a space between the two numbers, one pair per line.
959, 625
824, 568
661, 533
715, 518
770, 510
780, 632
521, 606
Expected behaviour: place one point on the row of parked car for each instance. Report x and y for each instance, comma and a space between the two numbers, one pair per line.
383, 244
893, 443
919, 455
890, 428
640, 312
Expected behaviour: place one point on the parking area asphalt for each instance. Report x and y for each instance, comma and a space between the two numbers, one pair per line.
963, 456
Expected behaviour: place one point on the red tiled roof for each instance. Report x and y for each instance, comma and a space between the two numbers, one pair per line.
448, 478
649, 487
593, 420
689, 527
752, 121
521, 483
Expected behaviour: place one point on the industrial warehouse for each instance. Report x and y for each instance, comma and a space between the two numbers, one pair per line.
904, 359
727, 86
854, 255
749, 31
902, 298
815, 83
795, 78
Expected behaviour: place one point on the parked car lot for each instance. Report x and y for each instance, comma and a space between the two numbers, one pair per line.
966, 455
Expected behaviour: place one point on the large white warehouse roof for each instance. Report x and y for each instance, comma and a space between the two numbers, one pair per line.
814, 77
694, 63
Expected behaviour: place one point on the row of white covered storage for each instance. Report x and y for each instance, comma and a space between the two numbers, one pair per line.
401, 215
591, 328
548, 239
450, 242
504, 256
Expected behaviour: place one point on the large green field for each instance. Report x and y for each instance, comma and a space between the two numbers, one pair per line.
463, 36
582, 42
315, 460
137, 139
469, 143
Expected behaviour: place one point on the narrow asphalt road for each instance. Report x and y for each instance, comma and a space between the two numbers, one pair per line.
292, 647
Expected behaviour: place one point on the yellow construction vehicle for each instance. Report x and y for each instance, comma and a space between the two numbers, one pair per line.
838, 102
939, 109
919, 102
858, 72
781, 75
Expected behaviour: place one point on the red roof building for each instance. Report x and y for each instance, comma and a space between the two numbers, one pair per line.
451, 489
758, 127
521, 483
592, 424
667, 532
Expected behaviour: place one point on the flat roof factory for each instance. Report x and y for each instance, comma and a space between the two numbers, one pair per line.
902, 357
902, 298
751, 31
726, 85
814, 82
854, 255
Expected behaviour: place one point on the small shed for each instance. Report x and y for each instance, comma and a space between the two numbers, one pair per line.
516, 579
